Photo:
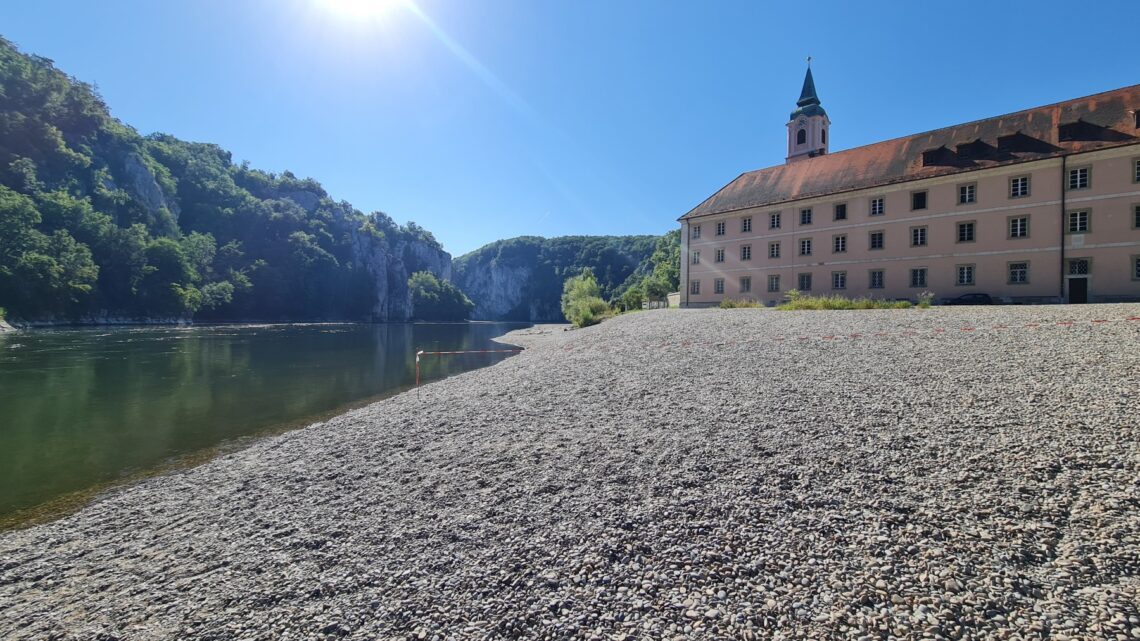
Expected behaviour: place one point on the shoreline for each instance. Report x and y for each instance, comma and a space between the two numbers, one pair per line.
662, 474
75, 501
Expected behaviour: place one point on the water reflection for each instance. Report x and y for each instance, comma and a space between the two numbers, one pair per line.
79, 408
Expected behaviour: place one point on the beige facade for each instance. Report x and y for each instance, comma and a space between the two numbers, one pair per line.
1064, 228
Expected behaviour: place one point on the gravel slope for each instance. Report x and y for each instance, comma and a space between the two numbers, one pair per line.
698, 474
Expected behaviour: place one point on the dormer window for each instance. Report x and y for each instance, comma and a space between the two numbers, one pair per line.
801, 137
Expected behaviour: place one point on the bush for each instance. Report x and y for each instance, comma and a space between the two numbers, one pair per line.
728, 303
2, 312
925, 299
796, 300
582, 302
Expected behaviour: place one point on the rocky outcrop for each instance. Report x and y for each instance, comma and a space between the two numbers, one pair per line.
5, 327
391, 266
143, 187
497, 291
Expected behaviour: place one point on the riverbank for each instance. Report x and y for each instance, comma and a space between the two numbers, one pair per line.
5, 327
702, 473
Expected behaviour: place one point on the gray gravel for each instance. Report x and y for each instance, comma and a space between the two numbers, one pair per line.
669, 474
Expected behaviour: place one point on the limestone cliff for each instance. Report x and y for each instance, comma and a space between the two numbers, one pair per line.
521, 278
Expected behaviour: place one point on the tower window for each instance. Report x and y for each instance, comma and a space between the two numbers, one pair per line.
823, 136
801, 137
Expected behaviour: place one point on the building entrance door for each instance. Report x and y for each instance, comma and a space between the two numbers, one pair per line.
1078, 290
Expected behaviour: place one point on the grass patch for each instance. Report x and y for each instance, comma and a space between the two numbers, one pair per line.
729, 303
795, 300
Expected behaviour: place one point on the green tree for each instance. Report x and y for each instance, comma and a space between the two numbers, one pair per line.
582, 303
436, 300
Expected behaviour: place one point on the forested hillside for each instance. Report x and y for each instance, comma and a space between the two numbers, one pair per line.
98, 222
521, 278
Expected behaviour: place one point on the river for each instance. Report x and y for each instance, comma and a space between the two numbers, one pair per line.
82, 409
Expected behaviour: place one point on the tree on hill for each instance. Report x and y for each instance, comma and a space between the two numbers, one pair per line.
437, 300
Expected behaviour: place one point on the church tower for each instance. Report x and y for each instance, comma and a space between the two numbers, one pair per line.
808, 125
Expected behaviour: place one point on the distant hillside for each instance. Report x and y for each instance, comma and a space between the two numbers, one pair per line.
521, 278
99, 223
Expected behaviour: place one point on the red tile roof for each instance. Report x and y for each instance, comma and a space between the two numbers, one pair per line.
1095, 122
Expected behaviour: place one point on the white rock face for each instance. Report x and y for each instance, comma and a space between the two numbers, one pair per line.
390, 269
496, 290
143, 187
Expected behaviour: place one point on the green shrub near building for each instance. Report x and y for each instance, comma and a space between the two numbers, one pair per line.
582, 302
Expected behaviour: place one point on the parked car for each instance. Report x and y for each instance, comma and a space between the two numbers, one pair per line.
970, 299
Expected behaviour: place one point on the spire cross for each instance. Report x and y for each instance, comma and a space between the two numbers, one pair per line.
809, 62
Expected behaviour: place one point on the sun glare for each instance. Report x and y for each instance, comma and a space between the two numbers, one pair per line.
360, 9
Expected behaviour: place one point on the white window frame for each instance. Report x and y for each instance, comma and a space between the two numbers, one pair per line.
1079, 178
915, 233
718, 285
839, 244
774, 249
1083, 219
878, 206
805, 216
695, 232
805, 247
800, 281
973, 227
965, 269
746, 252
694, 288
718, 256
774, 221
696, 258
746, 224
839, 280
774, 282
1016, 230
882, 235
720, 228
967, 193
1019, 187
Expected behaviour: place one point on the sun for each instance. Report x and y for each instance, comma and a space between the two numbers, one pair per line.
360, 9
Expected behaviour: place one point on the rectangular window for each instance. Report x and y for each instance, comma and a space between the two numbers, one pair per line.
966, 232
967, 194
841, 208
805, 216
718, 285
839, 244
1019, 187
1136, 268
694, 287
719, 256
746, 252
839, 280
1136, 216
773, 221
917, 200
773, 283
1078, 222
918, 277
1019, 227
1079, 178
696, 258
805, 282
773, 250
746, 224
720, 228
965, 275
877, 239
876, 280
695, 231
878, 206
805, 247
918, 236
1136, 163
1018, 273
745, 284
1078, 266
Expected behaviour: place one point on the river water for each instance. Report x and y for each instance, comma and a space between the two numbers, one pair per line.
81, 409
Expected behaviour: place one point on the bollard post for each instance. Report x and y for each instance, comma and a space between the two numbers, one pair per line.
418, 367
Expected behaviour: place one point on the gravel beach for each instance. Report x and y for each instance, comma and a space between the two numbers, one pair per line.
957, 473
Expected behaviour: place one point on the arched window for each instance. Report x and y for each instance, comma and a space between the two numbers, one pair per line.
801, 137
823, 136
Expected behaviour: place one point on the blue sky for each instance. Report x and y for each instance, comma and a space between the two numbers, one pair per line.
487, 119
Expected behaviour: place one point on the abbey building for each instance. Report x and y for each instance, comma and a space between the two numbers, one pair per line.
1041, 205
